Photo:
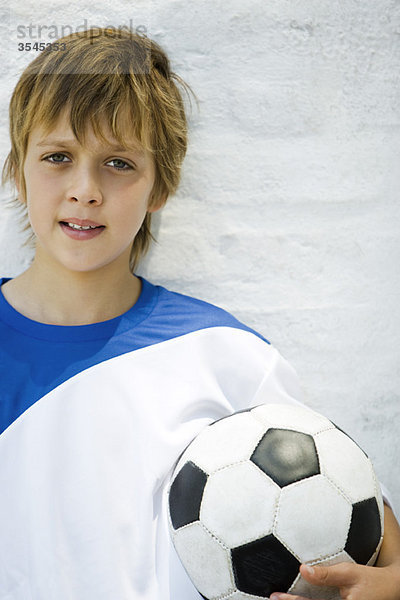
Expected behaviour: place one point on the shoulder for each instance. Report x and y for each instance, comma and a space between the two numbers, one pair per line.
209, 339
185, 313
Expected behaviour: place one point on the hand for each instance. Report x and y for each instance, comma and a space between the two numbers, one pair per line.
355, 582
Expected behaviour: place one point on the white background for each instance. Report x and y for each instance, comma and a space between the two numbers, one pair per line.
288, 212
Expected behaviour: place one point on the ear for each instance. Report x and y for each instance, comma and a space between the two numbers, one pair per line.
156, 204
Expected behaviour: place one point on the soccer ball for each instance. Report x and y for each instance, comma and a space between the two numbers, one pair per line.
263, 490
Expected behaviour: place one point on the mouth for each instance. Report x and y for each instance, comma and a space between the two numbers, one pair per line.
80, 224
81, 229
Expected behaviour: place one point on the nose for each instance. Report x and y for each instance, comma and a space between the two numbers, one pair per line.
85, 188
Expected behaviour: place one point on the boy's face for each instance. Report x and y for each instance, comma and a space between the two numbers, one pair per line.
70, 187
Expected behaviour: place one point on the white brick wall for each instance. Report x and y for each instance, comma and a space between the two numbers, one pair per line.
288, 213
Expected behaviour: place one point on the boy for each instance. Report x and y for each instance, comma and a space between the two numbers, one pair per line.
106, 377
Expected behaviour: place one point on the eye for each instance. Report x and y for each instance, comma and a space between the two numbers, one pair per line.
56, 154
120, 161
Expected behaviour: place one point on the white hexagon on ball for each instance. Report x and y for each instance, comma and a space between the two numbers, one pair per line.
239, 504
242, 596
207, 562
298, 418
313, 592
379, 499
313, 518
350, 469
213, 449
303, 588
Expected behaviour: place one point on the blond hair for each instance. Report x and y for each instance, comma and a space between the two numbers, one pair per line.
100, 73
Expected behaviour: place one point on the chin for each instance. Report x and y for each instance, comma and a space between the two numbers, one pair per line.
93, 267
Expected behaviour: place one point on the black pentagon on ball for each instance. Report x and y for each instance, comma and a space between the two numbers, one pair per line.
365, 531
264, 566
185, 495
286, 456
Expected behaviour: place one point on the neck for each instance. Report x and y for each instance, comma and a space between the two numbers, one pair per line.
63, 297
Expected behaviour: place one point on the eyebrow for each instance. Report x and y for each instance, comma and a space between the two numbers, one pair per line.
72, 142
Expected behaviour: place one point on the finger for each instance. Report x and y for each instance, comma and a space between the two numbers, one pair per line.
342, 574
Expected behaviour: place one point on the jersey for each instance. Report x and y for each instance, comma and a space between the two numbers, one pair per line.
93, 419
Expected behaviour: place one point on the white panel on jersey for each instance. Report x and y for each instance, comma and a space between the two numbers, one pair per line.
93, 453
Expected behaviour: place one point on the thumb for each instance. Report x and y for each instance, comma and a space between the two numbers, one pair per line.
337, 575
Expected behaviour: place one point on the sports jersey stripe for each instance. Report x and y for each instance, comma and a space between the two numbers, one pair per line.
35, 358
